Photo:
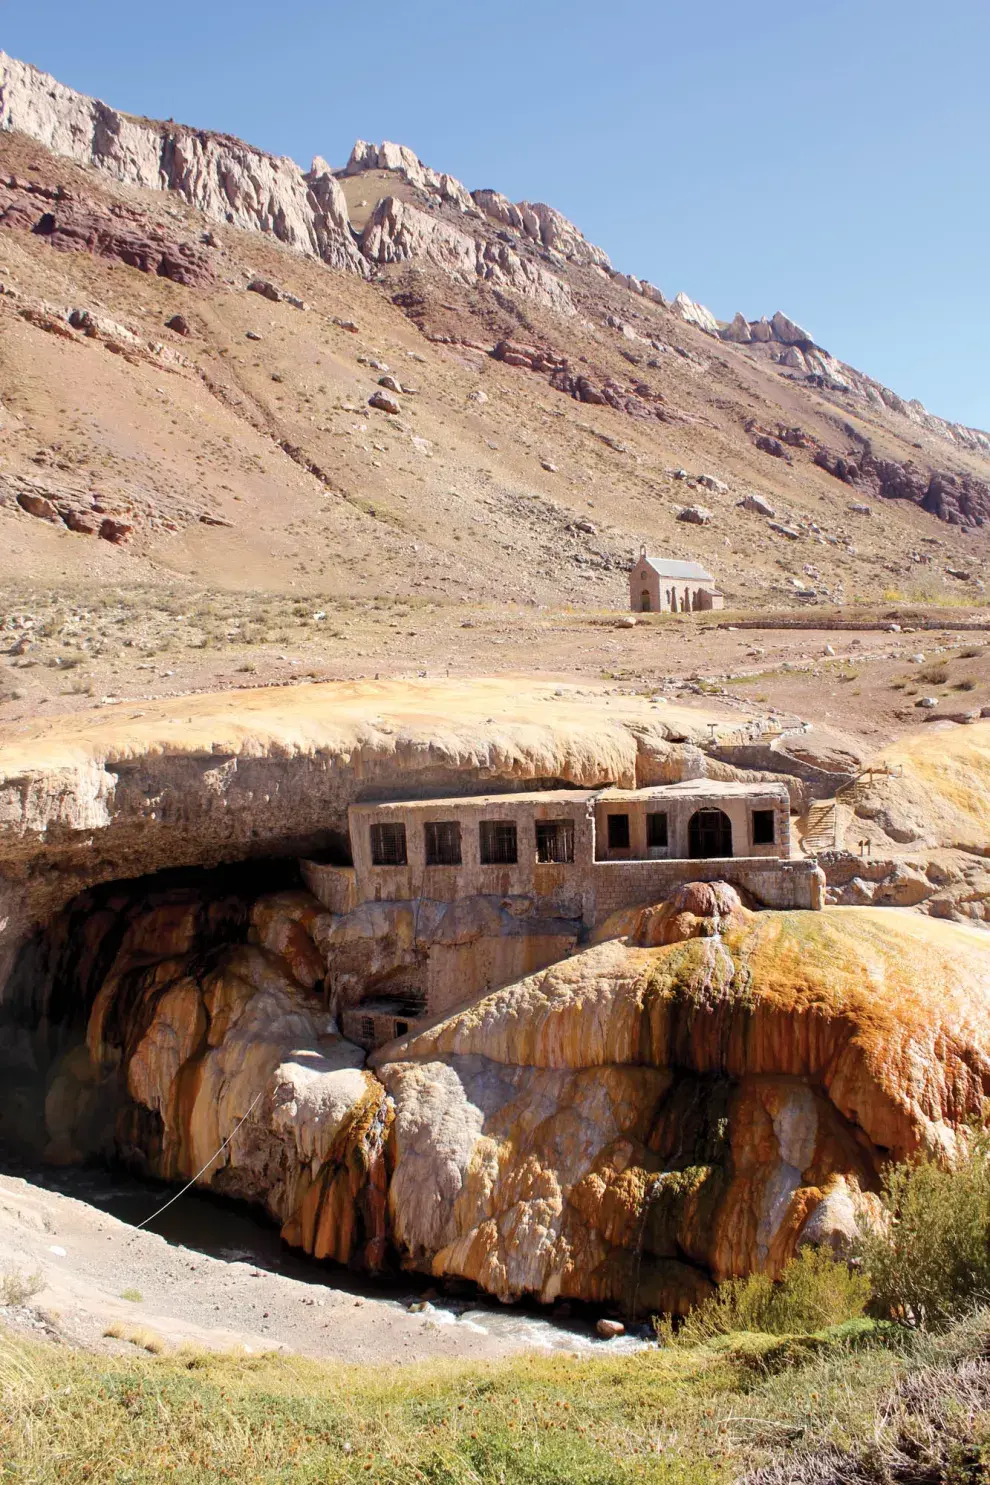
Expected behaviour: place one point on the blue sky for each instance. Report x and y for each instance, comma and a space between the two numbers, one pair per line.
826, 159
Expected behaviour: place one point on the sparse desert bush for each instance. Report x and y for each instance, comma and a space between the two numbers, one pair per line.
17, 1287
929, 1262
966, 684
136, 1335
934, 675
816, 1291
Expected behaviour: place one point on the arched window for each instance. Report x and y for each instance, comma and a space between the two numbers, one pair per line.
709, 834
644, 601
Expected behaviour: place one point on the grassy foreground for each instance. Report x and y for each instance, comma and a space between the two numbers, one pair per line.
715, 1412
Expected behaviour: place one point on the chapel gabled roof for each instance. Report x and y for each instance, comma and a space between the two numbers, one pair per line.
668, 569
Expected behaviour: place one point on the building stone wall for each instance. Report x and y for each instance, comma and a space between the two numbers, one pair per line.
599, 879
772, 883
679, 803
557, 888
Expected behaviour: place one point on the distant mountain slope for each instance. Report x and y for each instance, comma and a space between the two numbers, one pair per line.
374, 380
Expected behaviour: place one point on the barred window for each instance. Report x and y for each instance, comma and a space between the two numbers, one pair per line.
554, 840
656, 830
388, 845
763, 828
618, 832
367, 1028
499, 846
443, 843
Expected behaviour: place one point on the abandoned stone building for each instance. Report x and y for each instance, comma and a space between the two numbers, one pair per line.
497, 886
659, 586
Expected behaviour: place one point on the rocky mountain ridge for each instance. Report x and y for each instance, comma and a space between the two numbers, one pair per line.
232, 182
372, 381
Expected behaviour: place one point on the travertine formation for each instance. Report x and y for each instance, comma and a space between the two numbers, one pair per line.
271, 772
635, 1121
196, 1046
690, 1097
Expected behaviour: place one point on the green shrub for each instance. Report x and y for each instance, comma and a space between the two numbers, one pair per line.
929, 1262
814, 1292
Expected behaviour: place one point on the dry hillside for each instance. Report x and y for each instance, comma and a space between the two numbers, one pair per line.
191, 334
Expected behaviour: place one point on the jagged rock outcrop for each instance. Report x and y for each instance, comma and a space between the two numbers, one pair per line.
638, 401
225, 179
406, 163
694, 314
825, 371
397, 232
959, 499
780, 328
635, 1121
542, 224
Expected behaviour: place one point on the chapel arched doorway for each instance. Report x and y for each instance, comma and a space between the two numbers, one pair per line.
709, 834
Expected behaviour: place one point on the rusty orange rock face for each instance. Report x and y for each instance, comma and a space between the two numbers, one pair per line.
635, 1122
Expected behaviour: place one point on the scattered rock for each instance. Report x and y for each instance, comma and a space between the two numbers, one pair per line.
348, 325
384, 404
927, 702
265, 289
38, 505
179, 324
710, 482
861, 510
546, 464
963, 718
252, 335
787, 531
389, 383
957, 572
757, 505
478, 396
695, 515
610, 1330
772, 446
